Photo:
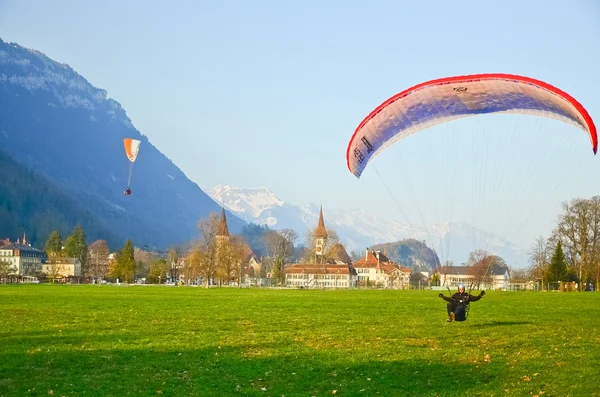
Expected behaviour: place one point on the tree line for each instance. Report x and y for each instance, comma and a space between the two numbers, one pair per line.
210, 258
572, 251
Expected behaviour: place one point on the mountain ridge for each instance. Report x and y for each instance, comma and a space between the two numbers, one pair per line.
53, 121
357, 228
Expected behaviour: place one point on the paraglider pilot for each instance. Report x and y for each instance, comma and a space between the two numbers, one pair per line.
458, 303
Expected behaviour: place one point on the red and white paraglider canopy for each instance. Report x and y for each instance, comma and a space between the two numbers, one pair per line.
442, 100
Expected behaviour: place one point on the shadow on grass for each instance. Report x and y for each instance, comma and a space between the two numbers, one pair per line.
244, 370
501, 323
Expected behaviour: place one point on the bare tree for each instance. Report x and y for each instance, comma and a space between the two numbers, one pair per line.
157, 271
574, 229
193, 263
593, 256
208, 247
481, 264
578, 231
98, 253
173, 263
4, 270
539, 258
519, 275
144, 260
231, 255
332, 240
280, 244
55, 269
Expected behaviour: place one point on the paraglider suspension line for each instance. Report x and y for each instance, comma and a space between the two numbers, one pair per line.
391, 195
129, 178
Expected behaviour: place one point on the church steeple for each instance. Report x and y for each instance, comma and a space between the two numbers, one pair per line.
321, 232
320, 237
24, 238
223, 230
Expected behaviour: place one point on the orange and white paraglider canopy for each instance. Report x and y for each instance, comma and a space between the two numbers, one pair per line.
132, 148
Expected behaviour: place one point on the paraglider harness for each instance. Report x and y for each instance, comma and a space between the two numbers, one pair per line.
462, 305
466, 303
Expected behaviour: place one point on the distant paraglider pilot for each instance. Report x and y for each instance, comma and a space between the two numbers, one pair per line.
458, 304
132, 148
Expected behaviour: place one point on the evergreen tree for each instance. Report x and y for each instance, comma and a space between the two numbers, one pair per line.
126, 263
277, 273
557, 270
75, 245
54, 243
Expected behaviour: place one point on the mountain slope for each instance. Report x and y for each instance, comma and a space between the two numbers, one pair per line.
410, 253
359, 229
55, 122
32, 204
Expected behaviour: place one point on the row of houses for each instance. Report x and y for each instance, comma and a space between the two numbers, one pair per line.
25, 262
376, 270
333, 269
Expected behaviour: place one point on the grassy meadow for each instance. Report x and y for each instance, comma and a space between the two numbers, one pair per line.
180, 341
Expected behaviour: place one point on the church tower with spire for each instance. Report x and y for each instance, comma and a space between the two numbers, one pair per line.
320, 238
222, 231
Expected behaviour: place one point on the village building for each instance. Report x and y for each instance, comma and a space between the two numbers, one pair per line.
62, 268
331, 269
496, 277
23, 259
375, 269
251, 263
500, 277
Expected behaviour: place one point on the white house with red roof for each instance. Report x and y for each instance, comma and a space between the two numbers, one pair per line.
496, 276
375, 269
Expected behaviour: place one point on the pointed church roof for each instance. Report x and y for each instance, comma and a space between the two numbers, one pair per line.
321, 231
338, 253
223, 230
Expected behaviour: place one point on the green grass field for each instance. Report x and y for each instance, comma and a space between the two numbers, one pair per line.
179, 341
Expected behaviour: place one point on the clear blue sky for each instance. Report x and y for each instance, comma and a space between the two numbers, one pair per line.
268, 93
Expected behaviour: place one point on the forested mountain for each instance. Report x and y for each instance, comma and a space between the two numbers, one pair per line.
30, 203
54, 122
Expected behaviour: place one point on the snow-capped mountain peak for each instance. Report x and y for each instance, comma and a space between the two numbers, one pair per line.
249, 203
357, 228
